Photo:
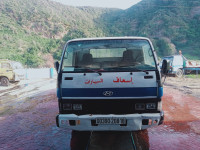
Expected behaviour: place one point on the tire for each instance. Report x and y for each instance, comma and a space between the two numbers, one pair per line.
141, 139
79, 140
179, 73
4, 81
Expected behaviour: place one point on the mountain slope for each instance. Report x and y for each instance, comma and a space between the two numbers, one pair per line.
33, 29
173, 24
34, 32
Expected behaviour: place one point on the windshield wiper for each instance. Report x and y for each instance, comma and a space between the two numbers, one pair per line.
96, 71
86, 69
130, 69
146, 71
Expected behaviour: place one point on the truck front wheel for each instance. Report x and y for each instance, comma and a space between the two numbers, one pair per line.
179, 73
4, 81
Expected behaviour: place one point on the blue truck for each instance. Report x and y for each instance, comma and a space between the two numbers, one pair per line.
109, 84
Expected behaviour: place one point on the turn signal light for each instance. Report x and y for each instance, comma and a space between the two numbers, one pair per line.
67, 106
140, 106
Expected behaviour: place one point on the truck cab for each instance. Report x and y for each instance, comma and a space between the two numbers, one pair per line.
10, 71
109, 84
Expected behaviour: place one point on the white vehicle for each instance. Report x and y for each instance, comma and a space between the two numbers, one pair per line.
109, 84
178, 63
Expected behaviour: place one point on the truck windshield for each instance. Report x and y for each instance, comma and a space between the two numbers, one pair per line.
16, 65
108, 55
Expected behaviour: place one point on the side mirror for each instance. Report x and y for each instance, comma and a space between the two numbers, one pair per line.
56, 65
165, 66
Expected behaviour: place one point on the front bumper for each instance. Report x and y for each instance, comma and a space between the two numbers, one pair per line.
87, 122
19, 77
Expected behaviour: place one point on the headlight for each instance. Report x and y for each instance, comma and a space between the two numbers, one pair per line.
150, 106
77, 106
140, 106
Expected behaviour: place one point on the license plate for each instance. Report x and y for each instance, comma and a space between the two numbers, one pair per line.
113, 121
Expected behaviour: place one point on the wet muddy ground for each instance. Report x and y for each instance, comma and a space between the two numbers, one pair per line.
181, 128
189, 86
27, 121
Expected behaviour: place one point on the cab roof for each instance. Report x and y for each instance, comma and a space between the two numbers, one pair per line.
110, 38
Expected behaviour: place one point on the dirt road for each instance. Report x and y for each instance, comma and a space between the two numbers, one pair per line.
28, 122
189, 86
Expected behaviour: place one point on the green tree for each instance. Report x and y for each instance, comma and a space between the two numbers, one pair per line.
31, 58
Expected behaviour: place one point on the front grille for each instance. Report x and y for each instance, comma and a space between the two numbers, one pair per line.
95, 106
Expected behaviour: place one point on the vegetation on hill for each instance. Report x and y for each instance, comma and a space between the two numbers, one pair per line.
31, 30
172, 24
34, 32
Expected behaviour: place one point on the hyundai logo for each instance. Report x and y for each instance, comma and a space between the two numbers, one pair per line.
108, 93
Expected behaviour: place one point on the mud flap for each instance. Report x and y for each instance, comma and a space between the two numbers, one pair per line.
57, 121
161, 118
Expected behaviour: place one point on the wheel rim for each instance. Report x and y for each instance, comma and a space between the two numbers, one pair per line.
4, 81
179, 73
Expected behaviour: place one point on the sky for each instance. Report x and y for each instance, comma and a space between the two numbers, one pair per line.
122, 4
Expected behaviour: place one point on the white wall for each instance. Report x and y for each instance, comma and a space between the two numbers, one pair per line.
39, 73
